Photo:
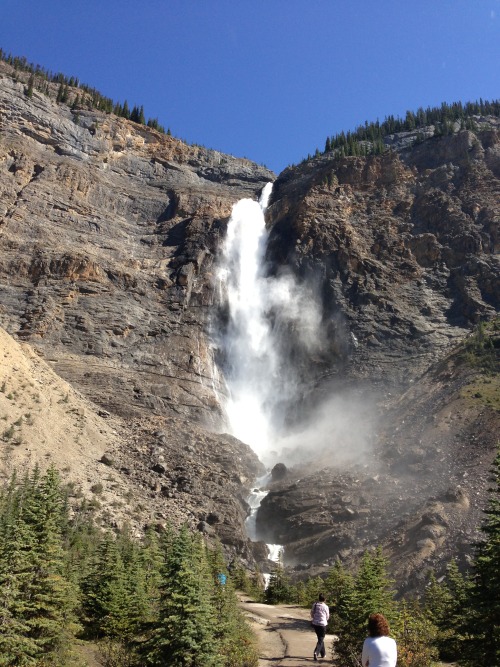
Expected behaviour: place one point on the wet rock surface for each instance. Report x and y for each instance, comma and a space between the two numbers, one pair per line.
420, 494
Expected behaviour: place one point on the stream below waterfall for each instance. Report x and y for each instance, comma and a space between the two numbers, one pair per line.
255, 498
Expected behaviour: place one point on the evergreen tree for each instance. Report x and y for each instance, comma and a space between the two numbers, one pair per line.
37, 602
278, 589
16, 545
134, 114
370, 593
184, 636
60, 93
415, 636
484, 645
236, 643
53, 599
150, 563
106, 598
29, 89
374, 588
337, 582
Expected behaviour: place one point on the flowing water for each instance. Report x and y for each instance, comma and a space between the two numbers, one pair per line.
250, 355
273, 327
268, 316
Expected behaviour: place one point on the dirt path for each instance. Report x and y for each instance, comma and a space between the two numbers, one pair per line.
285, 636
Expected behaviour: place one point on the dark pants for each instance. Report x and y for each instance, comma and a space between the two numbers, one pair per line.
320, 631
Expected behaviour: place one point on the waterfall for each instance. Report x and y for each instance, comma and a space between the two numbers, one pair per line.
251, 360
271, 318
271, 330
250, 356
256, 496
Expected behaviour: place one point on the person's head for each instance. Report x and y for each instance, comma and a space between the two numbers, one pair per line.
321, 597
377, 625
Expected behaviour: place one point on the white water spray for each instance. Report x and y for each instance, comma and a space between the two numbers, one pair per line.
255, 498
250, 356
261, 308
273, 321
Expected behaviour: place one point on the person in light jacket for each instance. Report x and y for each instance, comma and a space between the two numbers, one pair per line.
379, 650
320, 613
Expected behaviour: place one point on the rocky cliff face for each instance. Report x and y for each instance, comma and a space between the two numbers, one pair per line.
404, 247
108, 231
109, 234
404, 250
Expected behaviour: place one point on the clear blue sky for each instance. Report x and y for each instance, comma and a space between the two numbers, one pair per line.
265, 79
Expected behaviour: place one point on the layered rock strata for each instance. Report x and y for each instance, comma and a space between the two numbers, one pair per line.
109, 234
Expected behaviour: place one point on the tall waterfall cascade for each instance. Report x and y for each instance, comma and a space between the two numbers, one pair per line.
250, 357
272, 324
260, 379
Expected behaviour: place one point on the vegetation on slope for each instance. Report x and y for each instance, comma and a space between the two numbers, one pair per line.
481, 351
369, 138
366, 139
65, 583
74, 93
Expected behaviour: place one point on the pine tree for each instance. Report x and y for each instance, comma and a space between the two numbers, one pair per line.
29, 89
16, 545
37, 602
484, 646
346, 623
415, 636
150, 562
374, 588
52, 618
234, 638
184, 636
105, 595
134, 114
370, 593
278, 589
336, 583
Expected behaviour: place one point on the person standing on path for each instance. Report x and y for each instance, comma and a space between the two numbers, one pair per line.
320, 613
379, 650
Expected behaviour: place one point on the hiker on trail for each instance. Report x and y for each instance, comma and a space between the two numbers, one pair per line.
320, 614
379, 650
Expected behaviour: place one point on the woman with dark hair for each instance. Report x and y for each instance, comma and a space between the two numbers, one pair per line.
379, 650
320, 613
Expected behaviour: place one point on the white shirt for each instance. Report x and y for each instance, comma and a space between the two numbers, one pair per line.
320, 613
379, 652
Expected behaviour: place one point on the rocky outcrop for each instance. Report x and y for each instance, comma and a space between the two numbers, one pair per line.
108, 235
146, 472
404, 250
419, 493
108, 232
404, 247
